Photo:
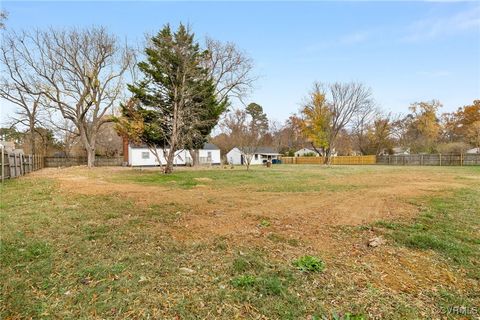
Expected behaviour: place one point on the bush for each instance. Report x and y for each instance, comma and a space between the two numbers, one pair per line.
309, 264
244, 281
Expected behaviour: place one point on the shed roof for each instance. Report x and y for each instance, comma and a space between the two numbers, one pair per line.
259, 150
206, 146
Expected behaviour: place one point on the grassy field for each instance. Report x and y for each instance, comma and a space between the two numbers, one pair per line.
290, 242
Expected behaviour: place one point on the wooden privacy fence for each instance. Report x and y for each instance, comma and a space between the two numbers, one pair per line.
55, 162
468, 159
335, 160
14, 165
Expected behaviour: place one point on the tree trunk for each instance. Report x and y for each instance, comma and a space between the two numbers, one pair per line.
195, 157
248, 160
328, 156
32, 137
169, 165
89, 145
90, 157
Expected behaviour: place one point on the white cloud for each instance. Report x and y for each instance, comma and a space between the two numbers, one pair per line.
431, 28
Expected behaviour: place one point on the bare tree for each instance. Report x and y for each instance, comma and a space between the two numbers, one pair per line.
80, 71
19, 87
362, 123
332, 108
348, 100
231, 69
3, 18
246, 130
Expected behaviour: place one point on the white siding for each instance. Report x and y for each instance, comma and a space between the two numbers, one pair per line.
135, 157
304, 151
234, 156
214, 155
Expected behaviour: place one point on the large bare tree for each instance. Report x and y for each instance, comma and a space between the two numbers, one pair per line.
19, 87
80, 71
334, 107
231, 69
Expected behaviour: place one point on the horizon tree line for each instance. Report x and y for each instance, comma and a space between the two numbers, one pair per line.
76, 80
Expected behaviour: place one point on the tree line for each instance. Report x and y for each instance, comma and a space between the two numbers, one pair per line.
175, 92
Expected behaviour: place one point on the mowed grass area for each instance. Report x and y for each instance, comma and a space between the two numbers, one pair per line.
282, 179
84, 256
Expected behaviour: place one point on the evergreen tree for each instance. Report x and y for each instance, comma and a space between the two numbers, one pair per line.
176, 98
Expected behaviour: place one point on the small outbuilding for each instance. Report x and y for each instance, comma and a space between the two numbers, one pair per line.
259, 155
473, 151
305, 152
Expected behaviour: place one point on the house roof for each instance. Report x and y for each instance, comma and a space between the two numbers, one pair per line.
306, 149
206, 146
259, 150
210, 146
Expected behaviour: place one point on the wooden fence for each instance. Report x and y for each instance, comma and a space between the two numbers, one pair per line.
335, 160
55, 162
467, 159
14, 165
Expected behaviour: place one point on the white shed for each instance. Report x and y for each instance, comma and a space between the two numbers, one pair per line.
473, 151
306, 152
141, 155
260, 155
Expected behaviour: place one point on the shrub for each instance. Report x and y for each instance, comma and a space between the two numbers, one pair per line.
264, 223
309, 264
244, 281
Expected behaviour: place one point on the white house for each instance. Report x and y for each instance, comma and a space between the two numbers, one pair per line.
400, 150
259, 155
306, 152
141, 155
474, 150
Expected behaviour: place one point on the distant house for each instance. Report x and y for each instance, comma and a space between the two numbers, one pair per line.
473, 151
306, 152
141, 155
259, 155
400, 150
8, 146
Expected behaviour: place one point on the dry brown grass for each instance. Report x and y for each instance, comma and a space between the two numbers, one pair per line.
116, 238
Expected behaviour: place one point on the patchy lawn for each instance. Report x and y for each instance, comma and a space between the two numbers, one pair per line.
283, 243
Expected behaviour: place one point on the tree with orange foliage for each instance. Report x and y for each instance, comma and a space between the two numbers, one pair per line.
327, 113
463, 125
316, 118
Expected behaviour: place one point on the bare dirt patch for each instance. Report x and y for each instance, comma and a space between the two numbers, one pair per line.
381, 195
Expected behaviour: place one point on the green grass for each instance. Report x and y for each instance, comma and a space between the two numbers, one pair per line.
309, 264
257, 179
448, 225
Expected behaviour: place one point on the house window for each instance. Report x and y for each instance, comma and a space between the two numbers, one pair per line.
145, 155
256, 156
209, 154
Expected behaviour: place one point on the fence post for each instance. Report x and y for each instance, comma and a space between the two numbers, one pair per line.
14, 165
3, 164
461, 159
22, 164
440, 159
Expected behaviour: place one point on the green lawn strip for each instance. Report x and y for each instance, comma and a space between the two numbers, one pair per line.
282, 178
448, 225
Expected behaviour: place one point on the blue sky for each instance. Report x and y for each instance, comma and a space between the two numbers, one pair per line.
404, 51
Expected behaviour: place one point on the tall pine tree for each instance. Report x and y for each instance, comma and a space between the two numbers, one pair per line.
176, 99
